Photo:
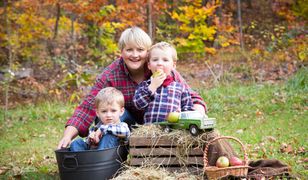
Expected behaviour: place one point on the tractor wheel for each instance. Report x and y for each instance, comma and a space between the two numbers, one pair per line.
167, 129
194, 130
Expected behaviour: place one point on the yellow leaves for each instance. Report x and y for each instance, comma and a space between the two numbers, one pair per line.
181, 41
223, 41
193, 25
211, 50
185, 28
302, 52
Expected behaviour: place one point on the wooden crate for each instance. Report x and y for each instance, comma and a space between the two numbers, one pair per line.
165, 153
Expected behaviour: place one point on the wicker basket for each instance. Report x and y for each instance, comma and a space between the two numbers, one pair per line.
213, 172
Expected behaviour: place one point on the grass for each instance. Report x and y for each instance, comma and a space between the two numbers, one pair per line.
262, 116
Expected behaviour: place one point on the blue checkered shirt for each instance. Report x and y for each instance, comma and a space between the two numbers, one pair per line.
115, 129
120, 129
174, 97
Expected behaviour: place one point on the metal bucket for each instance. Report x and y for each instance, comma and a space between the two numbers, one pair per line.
91, 164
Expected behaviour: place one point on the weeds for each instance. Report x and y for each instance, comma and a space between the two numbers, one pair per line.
271, 120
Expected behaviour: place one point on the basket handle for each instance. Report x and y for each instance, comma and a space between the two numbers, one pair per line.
66, 157
224, 137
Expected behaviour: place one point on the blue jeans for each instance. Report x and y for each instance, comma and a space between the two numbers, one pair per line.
107, 141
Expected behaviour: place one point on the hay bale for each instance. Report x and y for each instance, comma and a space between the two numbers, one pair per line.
153, 172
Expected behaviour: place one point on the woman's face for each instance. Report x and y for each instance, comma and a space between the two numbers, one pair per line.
134, 57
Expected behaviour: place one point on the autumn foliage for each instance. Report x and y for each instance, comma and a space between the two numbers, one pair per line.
59, 36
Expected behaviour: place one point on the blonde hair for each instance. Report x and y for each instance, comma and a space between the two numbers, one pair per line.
163, 46
108, 96
136, 36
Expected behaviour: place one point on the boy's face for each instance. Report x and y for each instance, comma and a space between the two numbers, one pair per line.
134, 56
161, 60
109, 114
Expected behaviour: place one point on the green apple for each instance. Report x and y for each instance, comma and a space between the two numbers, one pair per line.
222, 162
173, 117
157, 73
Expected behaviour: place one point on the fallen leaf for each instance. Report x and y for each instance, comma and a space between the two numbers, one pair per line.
240, 131
258, 113
3, 170
286, 148
271, 138
301, 150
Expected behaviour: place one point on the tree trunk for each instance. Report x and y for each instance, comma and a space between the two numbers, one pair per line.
10, 59
240, 23
72, 46
149, 17
57, 21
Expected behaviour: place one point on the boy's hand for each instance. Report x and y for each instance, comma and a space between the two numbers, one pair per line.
92, 137
97, 136
157, 80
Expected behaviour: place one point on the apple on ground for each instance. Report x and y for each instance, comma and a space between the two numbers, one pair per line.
235, 161
222, 162
173, 117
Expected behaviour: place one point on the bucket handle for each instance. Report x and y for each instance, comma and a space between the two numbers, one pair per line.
70, 157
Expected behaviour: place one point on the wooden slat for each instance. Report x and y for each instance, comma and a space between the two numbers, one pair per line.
166, 161
150, 141
162, 151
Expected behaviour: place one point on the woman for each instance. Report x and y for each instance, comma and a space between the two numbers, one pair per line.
124, 74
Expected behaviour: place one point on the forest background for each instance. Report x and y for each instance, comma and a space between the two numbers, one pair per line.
53, 49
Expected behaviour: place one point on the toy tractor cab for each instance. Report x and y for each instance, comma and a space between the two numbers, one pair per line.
193, 121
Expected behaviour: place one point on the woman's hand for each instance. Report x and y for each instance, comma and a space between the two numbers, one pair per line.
70, 133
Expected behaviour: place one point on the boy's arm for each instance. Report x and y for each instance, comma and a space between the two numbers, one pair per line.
143, 96
186, 102
197, 100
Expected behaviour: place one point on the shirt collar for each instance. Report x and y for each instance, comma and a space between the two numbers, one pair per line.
124, 66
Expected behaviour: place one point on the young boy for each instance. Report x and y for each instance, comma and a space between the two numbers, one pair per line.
109, 104
161, 94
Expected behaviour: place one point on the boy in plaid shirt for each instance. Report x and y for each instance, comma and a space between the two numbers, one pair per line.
109, 104
161, 94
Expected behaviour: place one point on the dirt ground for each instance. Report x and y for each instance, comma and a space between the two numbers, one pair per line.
208, 74
198, 74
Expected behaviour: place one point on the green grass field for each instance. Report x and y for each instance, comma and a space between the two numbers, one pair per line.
263, 116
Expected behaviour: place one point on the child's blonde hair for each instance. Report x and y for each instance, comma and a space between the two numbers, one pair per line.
108, 96
163, 46
136, 36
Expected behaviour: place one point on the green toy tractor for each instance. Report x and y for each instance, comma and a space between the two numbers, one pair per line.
193, 121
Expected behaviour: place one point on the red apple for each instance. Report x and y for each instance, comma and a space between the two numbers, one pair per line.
173, 117
222, 162
235, 161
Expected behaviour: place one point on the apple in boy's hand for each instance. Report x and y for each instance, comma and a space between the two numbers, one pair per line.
173, 117
235, 161
222, 162
157, 73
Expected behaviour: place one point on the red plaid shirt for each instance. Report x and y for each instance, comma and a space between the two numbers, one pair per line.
116, 75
